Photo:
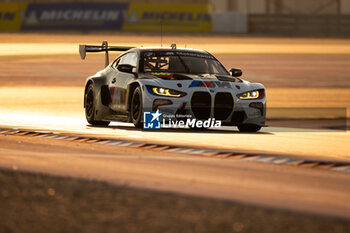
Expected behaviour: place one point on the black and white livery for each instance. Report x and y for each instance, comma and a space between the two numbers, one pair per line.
174, 81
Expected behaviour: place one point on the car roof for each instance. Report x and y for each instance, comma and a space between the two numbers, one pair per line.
142, 49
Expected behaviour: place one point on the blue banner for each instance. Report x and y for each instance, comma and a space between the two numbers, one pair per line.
74, 16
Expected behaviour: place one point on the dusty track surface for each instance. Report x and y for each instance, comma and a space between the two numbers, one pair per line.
298, 189
112, 208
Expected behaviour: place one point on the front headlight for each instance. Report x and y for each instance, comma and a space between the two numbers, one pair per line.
252, 95
161, 91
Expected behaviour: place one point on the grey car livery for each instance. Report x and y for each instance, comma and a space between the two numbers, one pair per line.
175, 82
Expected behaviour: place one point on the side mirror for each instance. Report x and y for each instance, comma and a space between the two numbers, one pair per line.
236, 72
126, 68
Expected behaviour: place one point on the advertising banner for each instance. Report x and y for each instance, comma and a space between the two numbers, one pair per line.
168, 17
74, 16
11, 15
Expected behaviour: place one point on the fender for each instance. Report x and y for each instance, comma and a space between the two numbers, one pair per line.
101, 110
131, 87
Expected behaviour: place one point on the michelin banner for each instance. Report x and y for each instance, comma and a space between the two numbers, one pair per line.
106, 16
168, 17
11, 16
74, 16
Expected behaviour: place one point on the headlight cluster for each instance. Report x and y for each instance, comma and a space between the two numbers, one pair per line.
161, 91
252, 95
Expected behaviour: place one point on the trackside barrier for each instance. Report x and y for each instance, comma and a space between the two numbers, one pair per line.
168, 17
74, 16
153, 17
11, 16
230, 22
126, 16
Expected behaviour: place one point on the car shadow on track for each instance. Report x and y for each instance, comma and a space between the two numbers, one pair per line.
186, 130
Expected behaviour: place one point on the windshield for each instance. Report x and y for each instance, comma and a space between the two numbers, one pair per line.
181, 62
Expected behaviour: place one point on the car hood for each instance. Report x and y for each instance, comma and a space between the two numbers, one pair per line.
182, 76
183, 82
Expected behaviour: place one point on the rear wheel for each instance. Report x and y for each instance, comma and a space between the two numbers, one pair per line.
136, 108
90, 107
249, 128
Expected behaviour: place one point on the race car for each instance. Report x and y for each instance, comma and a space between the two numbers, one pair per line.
175, 82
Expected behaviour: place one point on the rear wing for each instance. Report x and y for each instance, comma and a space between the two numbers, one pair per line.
83, 49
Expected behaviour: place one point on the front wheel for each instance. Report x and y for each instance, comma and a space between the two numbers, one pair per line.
249, 128
90, 108
136, 108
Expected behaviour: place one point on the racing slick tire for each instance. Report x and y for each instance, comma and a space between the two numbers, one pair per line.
90, 108
136, 107
249, 128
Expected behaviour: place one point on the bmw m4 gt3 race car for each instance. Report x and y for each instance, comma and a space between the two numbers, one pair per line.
177, 83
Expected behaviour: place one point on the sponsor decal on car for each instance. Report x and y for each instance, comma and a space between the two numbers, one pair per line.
199, 55
211, 84
163, 75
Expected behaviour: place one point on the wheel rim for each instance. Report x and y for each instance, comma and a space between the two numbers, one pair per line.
136, 106
89, 103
